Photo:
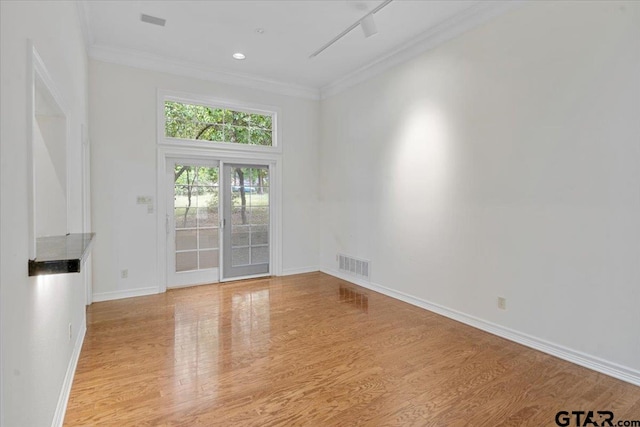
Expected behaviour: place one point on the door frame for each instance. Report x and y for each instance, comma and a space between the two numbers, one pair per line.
87, 267
166, 153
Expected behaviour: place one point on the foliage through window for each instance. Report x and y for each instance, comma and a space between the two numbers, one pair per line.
199, 122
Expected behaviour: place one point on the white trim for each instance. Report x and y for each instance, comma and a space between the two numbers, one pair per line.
251, 276
85, 24
190, 285
225, 146
472, 17
63, 398
162, 234
166, 153
40, 68
87, 277
196, 153
31, 172
469, 18
300, 270
167, 149
606, 367
129, 293
275, 217
148, 61
182, 279
209, 101
85, 153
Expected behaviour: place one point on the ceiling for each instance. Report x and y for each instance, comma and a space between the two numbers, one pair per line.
205, 34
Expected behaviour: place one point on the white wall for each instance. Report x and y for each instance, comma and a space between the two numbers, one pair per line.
123, 118
506, 163
51, 181
36, 350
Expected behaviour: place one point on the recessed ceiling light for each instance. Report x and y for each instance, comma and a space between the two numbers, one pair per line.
239, 56
260, 30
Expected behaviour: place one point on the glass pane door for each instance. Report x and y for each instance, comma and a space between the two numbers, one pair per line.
246, 212
194, 224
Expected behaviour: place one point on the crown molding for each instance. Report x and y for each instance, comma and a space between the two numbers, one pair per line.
471, 17
148, 61
462, 22
85, 23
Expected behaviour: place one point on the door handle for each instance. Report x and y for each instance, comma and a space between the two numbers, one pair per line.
223, 223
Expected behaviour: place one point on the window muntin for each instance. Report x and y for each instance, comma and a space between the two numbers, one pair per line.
196, 195
214, 124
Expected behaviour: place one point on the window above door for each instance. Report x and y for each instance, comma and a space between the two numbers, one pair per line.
192, 120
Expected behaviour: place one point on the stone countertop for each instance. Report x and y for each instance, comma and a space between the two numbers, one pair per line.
60, 254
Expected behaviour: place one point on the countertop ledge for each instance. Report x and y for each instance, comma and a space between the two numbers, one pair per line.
60, 254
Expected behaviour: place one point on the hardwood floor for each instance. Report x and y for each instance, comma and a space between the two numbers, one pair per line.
314, 350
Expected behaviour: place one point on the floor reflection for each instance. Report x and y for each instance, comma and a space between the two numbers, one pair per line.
247, 338
357, 299
196, 345
226, 329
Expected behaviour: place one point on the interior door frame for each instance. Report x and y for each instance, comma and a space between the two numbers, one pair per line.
169, 152
87, 266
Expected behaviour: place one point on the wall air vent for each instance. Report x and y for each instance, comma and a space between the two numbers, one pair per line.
354, 266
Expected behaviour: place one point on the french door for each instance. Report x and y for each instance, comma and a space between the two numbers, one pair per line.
246, 240
193, 223
218, 224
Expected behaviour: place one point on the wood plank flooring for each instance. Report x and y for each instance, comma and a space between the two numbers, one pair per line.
316, 351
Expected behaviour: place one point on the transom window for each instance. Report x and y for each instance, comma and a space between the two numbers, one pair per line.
209, 123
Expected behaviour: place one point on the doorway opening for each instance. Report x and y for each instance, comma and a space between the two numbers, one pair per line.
219, 221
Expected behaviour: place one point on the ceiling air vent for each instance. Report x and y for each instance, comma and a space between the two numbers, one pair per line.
153, 20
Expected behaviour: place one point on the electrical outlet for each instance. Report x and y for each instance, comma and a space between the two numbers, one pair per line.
70, 332
502, 303
124, 274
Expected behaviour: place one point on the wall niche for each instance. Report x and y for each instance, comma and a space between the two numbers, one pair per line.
52, 250
47, 164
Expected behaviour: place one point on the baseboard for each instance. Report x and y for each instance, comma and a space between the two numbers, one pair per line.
191, 285
579, 358
108, 296
302, 270
63, 399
